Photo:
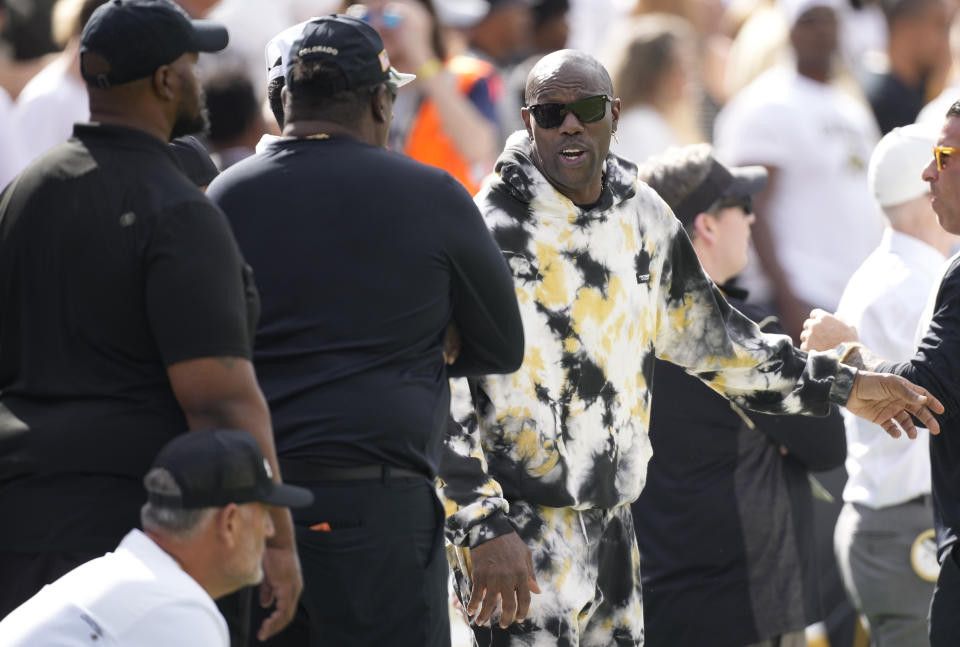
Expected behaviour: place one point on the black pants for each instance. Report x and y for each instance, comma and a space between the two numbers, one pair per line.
378, 576
23, 574
945, 606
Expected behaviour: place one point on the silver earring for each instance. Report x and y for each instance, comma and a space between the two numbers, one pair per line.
614, 133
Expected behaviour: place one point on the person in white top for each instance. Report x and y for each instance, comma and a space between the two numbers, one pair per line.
820, 221
653, 68
205, 526
56, 98
883, 538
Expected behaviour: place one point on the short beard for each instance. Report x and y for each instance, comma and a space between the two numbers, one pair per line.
198, 124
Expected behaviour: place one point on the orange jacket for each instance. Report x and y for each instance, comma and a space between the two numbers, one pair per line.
426, 141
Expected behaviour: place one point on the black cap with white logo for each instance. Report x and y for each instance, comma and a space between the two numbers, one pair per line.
352, 45
215, 467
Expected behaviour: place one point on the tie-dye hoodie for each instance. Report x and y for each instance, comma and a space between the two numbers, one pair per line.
602, 291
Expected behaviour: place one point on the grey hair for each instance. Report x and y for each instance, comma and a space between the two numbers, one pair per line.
678, 172
183, 523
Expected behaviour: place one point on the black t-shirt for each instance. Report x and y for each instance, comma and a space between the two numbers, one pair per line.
362, 256
893, 102
112, 267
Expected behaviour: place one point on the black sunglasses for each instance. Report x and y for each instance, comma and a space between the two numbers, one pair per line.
588, 110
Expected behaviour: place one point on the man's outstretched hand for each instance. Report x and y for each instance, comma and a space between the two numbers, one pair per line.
884, 398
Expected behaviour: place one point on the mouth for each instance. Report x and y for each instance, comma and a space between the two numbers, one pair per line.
572, 155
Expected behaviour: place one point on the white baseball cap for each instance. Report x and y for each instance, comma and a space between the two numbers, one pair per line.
793, 9
897, 162
461, 14
278, 49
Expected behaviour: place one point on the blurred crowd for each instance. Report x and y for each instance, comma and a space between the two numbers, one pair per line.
804, 88
686, 72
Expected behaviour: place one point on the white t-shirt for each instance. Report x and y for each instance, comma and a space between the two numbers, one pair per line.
48, 107
642, 132
136, 595
822, 217
884, 301
935, 112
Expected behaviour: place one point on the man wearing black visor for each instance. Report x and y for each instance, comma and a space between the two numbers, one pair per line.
726, 512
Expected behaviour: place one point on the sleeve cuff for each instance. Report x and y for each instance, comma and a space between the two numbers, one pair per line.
842, 384
490, 528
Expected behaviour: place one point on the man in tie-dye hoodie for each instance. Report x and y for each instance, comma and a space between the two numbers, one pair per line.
541, 465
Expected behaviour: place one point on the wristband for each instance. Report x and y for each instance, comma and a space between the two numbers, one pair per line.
843, 350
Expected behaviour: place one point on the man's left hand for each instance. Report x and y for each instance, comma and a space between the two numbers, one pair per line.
451, 343
888, 400
282, 583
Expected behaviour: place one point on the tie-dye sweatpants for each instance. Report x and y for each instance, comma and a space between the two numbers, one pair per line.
588, 569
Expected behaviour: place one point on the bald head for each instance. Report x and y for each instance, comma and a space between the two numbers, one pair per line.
559, 67
570, 115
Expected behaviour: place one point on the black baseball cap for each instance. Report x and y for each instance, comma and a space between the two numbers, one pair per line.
723, 186
215, 467
126, 40
353, 45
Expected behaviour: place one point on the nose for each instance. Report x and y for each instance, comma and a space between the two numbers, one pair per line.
571, 125
930, 173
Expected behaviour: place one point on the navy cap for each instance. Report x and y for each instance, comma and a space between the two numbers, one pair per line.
352, 45
126, 40
215, 467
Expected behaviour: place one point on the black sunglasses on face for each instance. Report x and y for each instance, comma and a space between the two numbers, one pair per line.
588, 110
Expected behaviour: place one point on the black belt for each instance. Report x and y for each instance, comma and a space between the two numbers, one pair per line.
304, 473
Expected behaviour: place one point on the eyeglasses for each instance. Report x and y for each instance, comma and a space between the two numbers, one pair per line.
941, 153
388, 18
588, 110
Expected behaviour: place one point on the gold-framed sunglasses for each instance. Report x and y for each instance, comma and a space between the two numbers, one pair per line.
941, 153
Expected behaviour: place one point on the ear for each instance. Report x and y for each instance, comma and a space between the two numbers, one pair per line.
615, 112
525, 115
229, 524
705, 227
381, 105
162, 82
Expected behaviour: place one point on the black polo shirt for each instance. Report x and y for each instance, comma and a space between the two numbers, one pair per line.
113, 266
362, 257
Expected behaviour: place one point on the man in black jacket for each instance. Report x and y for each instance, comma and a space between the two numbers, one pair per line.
935, 366
725, 521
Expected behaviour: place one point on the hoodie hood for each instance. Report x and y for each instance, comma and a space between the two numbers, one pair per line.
517, 174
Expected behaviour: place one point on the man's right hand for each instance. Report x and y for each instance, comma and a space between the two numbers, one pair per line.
502, 568
282, 585
823, 331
